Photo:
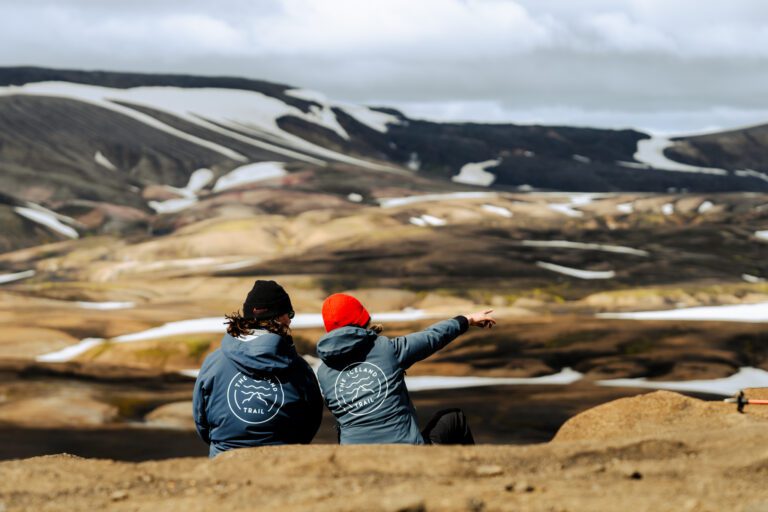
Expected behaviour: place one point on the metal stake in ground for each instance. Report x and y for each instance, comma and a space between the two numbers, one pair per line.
741, 401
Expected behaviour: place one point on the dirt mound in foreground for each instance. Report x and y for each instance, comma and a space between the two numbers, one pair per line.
641, 415
702, 458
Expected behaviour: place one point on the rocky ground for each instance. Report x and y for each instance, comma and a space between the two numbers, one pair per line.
657, 452
127, 401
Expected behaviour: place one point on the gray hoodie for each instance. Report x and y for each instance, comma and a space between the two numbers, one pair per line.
362, 380
256, 391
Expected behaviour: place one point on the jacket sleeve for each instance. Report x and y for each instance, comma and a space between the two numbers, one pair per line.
199, 399
315, 406
412, 348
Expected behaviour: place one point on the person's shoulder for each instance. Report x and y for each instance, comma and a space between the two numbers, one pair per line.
385, 345
211, 361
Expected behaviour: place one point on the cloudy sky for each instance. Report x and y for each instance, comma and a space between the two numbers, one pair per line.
660, 65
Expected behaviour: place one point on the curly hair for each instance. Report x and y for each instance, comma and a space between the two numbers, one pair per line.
239, 326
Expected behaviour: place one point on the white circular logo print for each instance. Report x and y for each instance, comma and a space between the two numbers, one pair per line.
361, 388
255, 401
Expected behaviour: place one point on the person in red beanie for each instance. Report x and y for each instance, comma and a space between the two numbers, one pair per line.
362, 376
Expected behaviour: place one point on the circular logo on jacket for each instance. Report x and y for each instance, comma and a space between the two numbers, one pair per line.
361, 388
255, 401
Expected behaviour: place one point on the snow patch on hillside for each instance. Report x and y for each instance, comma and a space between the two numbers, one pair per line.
755, 313
575, 272
476, 174
668, 209
651, 152
626, 208
250, 173
103, 161
199, 179
705, 206
48, 219
749, 278
428, 382
746, 377
373, 119
761, 235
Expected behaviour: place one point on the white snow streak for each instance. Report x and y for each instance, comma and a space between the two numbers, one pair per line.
745, 378
48, 219
564, 244
497, 210
393, 202
626, 207
749, 173
575, 272
105, 306
427, 382
250, 173
568, 208
16, 276
100, 159
753, 313
172, 205
632, 165
761, 235
427, 220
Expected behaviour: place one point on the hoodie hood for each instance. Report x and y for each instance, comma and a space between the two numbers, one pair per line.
345, 343
261, 352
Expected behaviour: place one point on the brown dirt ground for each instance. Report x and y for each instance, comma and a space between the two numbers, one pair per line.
704, 457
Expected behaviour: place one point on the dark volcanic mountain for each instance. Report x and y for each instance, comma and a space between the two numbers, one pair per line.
108, 152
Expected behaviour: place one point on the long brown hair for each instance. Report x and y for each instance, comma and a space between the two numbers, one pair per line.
239, 326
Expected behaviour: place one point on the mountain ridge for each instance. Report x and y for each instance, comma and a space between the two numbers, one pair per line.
116, 151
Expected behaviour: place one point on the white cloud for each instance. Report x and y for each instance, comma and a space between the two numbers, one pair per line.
617, 31
400, 28
548, 61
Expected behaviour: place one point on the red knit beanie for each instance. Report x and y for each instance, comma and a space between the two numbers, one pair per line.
340, 310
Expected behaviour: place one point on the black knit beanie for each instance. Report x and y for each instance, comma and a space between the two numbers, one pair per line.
267, 299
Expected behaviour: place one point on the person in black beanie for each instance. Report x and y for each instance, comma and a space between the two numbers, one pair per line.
256, 390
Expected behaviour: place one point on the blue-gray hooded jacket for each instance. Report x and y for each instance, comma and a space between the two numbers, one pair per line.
362, 380
256, 391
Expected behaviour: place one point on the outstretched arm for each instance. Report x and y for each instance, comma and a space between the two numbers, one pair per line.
414, 347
